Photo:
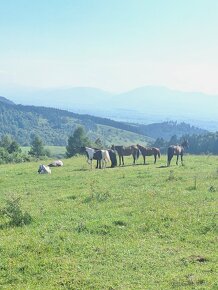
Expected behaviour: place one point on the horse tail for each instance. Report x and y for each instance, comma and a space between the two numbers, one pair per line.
169, 155
113, 158
137, 153
106, 156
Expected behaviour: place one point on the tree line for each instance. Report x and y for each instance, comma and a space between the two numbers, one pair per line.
10, 150
54, 126
206, 143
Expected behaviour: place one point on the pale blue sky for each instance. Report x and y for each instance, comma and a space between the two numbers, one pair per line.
115, 45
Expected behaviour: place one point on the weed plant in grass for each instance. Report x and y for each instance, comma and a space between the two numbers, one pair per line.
132, 227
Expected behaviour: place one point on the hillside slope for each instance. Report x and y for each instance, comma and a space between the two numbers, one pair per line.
54, 126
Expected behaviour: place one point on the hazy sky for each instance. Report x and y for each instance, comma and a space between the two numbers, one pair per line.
115, 45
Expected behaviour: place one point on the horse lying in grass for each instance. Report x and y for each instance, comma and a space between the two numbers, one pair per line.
146, 151
56, 163
102, 157
44, 169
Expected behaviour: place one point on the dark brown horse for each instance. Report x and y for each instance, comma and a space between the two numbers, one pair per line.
176, 150
126, 151
146, 151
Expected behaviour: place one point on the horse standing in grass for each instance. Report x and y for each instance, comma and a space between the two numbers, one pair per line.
149, 152
126, 151
113, 157
176, 150
102, 157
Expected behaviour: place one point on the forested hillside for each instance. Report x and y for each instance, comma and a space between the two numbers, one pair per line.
54, 126
168, 129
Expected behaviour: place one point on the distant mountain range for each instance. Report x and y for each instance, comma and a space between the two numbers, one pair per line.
54, 126
149, 104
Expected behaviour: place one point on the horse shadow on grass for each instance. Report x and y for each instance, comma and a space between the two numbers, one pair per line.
162, 166
81, 169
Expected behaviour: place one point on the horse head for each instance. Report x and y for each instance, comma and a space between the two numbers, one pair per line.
185, 144
82, 150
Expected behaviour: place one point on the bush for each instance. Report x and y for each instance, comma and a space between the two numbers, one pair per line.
12, 211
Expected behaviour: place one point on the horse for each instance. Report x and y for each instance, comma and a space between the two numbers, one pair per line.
113, 157
44, 169
102, 157
56, 163
149, 152
176, 150
126, 151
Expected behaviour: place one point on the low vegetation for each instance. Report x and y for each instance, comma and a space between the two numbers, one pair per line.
132, 227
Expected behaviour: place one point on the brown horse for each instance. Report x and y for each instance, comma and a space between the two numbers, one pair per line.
176, 150
149, 152
126, 151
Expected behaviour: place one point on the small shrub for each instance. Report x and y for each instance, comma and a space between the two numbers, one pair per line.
81, 227
12, 210
102, 196
171, 176
212, 188
120, 223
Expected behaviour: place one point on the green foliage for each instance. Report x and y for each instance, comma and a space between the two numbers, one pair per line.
198, 144
98, 143
10, 151
37, 147
13, 212
203, 144
75, 142
6, 141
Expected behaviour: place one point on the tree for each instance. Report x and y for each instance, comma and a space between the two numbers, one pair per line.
5, 141
37, 148
173, 140
14, 147
75, 142
98, 143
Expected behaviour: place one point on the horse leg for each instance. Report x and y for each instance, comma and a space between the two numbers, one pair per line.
123, 160
169, 160
155, 158
144, 159
177, 159
97, 164
100, 163
104, 162
182, 159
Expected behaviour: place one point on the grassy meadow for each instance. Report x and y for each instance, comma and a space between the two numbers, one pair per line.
55, 151
132, 227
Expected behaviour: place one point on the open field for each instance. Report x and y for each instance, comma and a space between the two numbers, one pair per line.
56, 151
133, 227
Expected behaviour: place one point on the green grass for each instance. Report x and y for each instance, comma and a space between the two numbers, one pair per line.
133, 227
115, 136
56, 151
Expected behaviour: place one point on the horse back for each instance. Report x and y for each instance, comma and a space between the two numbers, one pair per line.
105, 155
175, 149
